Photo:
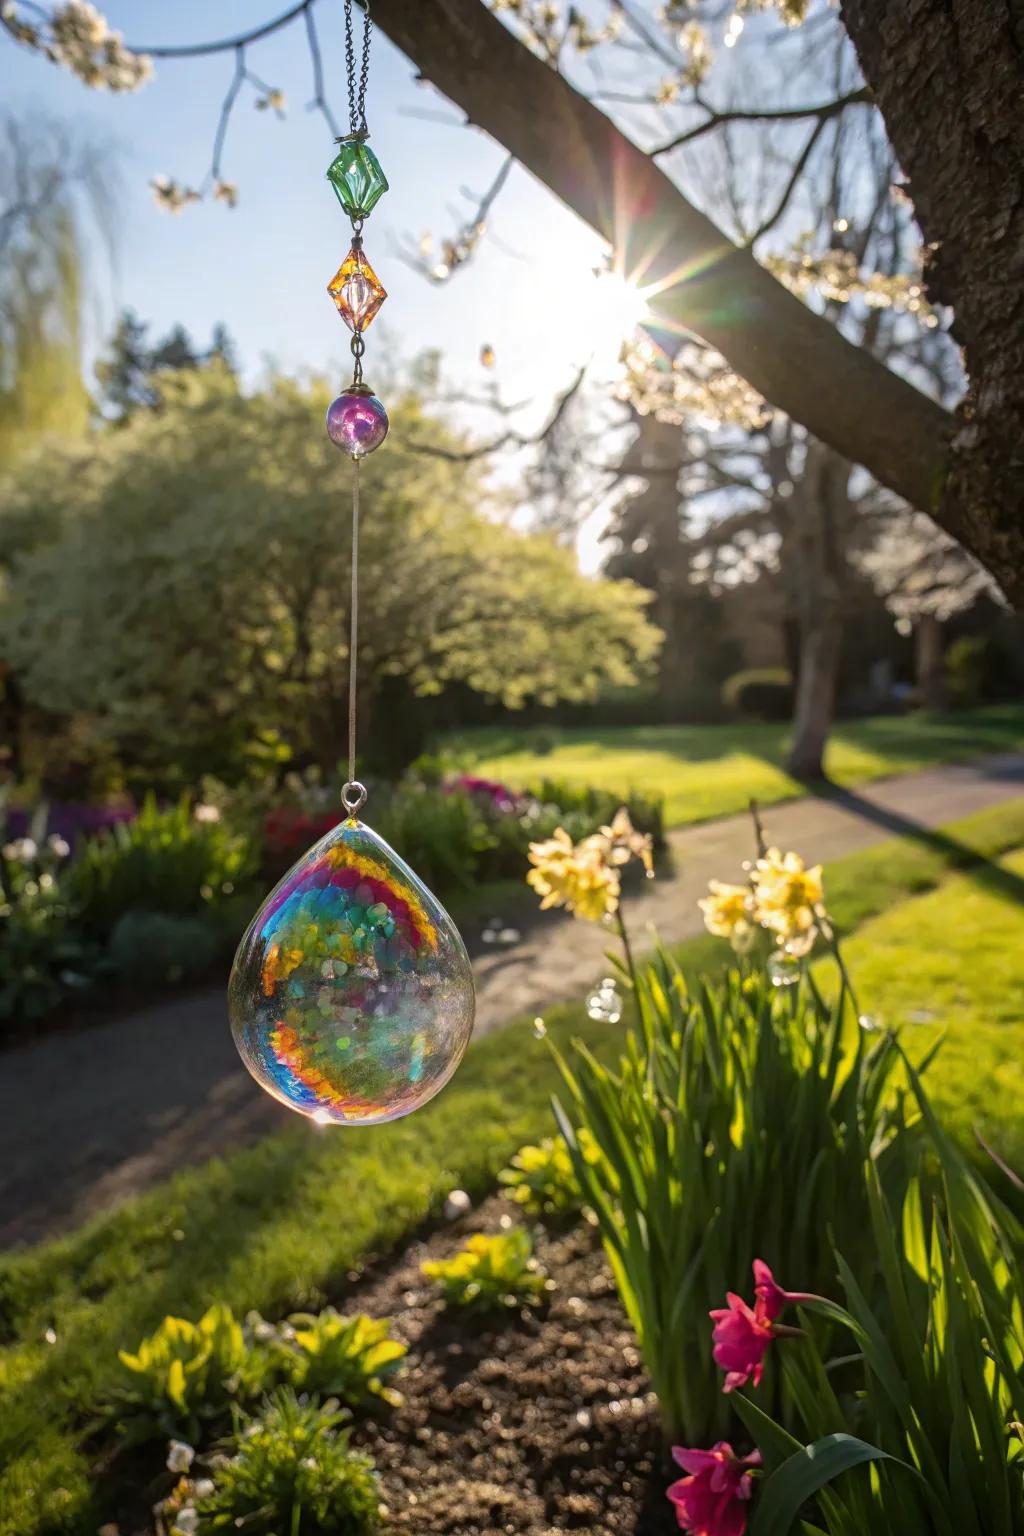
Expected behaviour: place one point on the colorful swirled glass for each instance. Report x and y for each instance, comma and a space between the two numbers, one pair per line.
351, 996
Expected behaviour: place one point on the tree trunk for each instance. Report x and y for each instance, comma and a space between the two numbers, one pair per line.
820, 647
948, 76
798, 360
823, 516
930, 663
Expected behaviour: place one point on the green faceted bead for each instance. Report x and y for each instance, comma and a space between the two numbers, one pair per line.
357, 178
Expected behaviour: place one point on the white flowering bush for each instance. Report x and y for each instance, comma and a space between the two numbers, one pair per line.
42, 956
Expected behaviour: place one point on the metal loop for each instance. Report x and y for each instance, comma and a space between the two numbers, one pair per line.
357, 345
353, 796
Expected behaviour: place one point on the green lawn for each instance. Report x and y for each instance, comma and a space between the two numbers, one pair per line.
712, 770
275, 1226
951, 963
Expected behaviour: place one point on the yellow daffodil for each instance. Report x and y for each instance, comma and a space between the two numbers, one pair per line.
623, 842
729, 914
788, 899
579, 878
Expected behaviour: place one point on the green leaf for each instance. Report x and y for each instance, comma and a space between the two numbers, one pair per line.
176, 1384
811, 1468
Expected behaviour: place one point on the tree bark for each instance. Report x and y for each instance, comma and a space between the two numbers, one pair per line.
820, 645
930, 663
948, 76
821, 526
797, 359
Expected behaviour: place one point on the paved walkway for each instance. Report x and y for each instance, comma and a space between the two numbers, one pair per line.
89, 1117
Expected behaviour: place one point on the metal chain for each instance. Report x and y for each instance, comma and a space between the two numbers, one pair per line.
357, 87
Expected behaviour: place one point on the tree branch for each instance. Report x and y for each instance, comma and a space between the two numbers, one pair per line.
228, 44
237, 81
823, 111
458, 250
697, 280
509, 439
799, 166
319, 102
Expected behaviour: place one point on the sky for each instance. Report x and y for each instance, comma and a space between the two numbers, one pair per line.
262, 267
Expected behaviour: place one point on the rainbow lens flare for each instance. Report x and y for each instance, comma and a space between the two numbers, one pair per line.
351, 997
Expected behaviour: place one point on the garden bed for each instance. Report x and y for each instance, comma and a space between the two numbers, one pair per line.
530, 1422
536, 1422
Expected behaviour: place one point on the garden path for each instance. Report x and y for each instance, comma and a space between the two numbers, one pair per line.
91, 1115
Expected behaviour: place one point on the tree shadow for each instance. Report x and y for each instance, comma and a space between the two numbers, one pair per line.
956, 855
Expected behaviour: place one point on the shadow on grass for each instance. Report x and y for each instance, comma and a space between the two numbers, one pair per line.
926, 738
957, 856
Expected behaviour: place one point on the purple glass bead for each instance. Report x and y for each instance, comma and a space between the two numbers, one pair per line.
357, 422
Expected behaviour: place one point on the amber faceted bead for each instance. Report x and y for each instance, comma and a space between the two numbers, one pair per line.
356, 290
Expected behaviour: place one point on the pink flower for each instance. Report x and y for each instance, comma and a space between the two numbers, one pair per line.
742, 1334
741, 1339
712, 1500
771, 1298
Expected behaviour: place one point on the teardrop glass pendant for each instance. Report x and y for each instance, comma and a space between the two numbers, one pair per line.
351, 997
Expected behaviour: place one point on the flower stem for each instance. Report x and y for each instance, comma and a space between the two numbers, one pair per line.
832, 939
627, 948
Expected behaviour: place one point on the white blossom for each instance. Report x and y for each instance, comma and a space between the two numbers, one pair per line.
180, 1456
79, 39
171, 195
21, 851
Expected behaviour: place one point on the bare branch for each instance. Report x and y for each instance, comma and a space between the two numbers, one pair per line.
458, 250
319, 102
800, 165
823, 111
229, 44
237, 81
509, 439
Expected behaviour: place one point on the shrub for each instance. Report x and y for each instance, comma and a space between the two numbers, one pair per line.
968, 666
760, 693
42, 954
541, 742
149, 947
183, 1372
735, 1124
443, 836
490, 1272
293, 1473
166, 861
288, 831
542, 1178
597, 807
351, 1358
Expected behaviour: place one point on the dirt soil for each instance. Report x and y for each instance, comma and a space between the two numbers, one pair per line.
538, 1423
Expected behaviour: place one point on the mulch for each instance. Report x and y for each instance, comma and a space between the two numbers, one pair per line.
538, 1422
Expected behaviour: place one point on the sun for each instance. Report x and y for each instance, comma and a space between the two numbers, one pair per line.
623, 302
601, 310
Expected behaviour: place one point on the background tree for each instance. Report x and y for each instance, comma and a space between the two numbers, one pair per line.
191, 596
778, 505
130, 370
925, 581
50, 188
652, 541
